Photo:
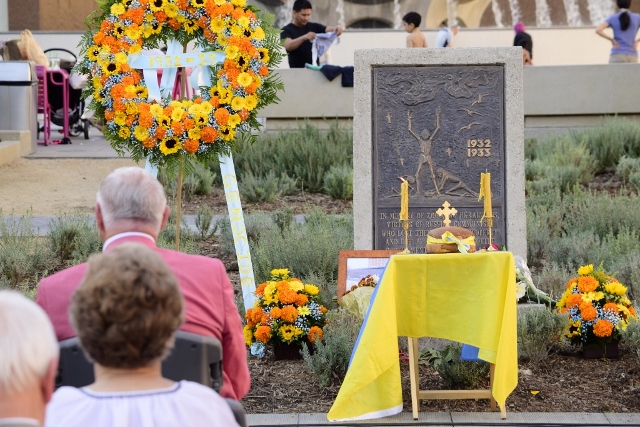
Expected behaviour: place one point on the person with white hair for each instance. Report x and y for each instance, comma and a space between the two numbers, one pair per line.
28, 361
131, 207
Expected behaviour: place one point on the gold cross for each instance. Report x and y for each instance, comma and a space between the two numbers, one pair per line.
446, 212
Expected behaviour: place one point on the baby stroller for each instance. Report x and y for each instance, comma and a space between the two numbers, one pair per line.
75, 125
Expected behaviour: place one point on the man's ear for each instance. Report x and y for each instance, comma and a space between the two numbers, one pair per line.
49, 380
165, 217
99, 219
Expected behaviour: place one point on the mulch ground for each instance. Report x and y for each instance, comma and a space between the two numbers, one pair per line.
565, 382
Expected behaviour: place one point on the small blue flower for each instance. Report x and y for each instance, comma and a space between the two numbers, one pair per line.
258, 349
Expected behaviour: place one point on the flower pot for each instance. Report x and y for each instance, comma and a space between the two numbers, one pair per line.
610, 351
290, 351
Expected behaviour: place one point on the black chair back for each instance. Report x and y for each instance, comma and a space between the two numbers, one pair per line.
194, 358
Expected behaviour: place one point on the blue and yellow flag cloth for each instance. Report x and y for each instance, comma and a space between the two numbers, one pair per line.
465, 298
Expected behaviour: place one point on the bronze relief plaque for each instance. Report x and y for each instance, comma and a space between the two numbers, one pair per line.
439, 128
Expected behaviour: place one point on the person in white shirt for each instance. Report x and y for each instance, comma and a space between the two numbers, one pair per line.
125, 313
445, 36
28, 361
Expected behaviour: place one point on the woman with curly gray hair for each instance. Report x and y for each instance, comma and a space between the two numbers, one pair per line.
125, 313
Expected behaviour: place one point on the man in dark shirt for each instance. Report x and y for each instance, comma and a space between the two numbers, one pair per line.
299, 34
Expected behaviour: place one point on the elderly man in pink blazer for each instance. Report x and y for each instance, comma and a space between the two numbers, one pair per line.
131, 207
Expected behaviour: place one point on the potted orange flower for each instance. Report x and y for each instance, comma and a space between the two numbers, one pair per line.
598, 309
286, 314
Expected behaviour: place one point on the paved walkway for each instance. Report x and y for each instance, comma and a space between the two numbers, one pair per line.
97, 147
455, 419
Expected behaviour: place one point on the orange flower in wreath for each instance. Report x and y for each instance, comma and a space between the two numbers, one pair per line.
263, 334
588, 311
574, 300
587, 284
602, 328
315, 333
289, 313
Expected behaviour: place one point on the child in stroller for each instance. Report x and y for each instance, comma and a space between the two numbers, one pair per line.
77, 124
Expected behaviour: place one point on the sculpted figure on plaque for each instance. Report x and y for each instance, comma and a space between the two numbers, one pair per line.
450, 184
426, 145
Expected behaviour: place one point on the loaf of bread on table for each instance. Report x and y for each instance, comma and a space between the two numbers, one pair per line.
445, 248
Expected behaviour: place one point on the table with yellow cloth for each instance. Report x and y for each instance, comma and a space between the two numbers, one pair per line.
468, 298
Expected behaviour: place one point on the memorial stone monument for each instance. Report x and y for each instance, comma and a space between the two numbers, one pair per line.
438, 118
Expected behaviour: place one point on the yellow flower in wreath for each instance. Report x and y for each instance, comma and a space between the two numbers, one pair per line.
120, 119
234, 120
238, 3
251, 102
141, 133
177, 114
194, 133
232, 51
311, 289
124, 132
248, 334
245, 79
304, 311
259, 33
217, 25
156, 111
615, 288
117, 9
585, 269
170, 145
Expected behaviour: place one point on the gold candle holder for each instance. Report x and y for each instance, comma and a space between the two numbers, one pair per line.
405, 225
490, 226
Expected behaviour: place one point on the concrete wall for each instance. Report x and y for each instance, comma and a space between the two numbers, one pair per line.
555, 98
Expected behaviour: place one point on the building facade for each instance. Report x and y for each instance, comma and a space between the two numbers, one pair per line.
69, 15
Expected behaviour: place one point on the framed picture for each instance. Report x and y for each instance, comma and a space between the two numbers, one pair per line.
354, 265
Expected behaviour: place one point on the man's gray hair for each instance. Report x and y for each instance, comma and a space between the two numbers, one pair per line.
27, 342
131, 193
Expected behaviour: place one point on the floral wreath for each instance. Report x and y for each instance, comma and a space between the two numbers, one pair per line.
169, 129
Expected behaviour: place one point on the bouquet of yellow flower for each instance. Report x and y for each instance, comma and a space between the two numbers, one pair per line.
598, 308
287, 311
356, 299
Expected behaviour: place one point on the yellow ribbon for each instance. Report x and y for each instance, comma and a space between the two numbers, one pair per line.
449, 238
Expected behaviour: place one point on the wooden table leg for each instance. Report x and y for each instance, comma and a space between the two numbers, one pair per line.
503, 410
414, 374
492, 368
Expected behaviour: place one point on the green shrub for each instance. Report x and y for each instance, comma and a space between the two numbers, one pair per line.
305, 154
24, 259
328, 289
197, 181
538, 329
304, 249
259, 188
338, 182
631, 337
255, 225
73, 238
629, 170
330, 360
283, 219
455, 372
167, 237
615, 138
204, 218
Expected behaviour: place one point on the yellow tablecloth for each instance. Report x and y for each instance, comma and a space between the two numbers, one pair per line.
468, 298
